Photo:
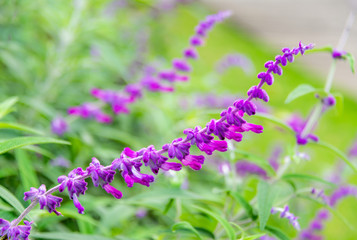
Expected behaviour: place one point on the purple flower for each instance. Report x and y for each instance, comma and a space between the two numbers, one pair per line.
234, 60
190, 53
88, 110
284, 213
205, 142
20, 232
315, 226
244, 168
336, 54
266, 77
60, 161
298, 124
341, 193
196, 41
74, 185
255, 92
177, 149
59, 126
194, 162
156, 161
99, 175
130, 171
181, 65
232, 117
48, 201
245, 106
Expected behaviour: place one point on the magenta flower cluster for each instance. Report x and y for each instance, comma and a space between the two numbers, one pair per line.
151, 81
213, 137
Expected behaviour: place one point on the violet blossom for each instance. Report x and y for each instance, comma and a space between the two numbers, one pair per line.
59, 126
45, 200
19, 232
315, 226
284, 213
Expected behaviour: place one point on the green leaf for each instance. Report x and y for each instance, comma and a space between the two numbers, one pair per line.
27, 172
339, 102
12, 200
186, 226
18, 142
6, 106
277, 233
307, 177
266, 195
337, 151
67, 236
246, 205
276, 121
16, 126
299, 91
350, 58
229, 229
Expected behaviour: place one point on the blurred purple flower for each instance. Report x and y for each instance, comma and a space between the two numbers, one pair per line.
235, 60
341, 193
59, 126
297, 124
316, 225
60, 162
284, 213
245, 168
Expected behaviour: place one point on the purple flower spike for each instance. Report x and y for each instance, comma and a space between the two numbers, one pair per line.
266, 77
48, 201
246, 106
74, 186
190, 53
288, 215
130, 171
20, 232
59, 126
232, 117
194, 162
99, 175
181, 65
113, 191
341, 193
177, 149
255, 92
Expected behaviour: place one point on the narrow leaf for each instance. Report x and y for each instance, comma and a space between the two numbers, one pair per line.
337, 151
266, 195
18, 142
6, 106
16, 126
276, 121
299, 91
277, 233
186, 226
27, 172
351, 61
307, 177
229, 229
67, 236
248, 208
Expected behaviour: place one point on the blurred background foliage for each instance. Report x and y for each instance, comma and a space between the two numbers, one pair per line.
53, 52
